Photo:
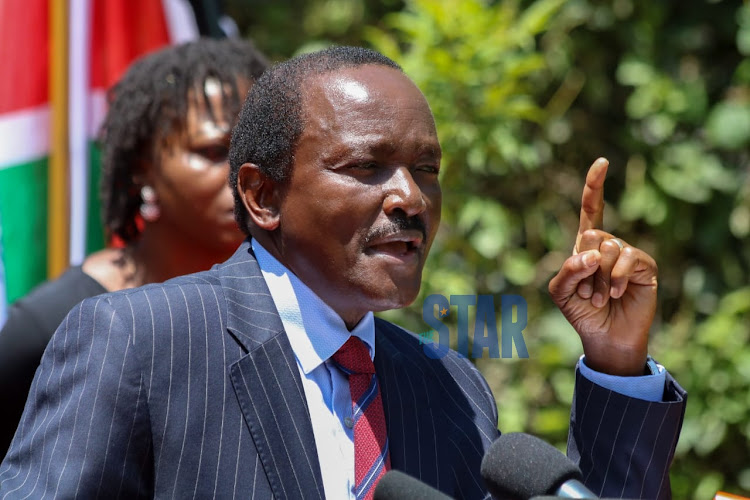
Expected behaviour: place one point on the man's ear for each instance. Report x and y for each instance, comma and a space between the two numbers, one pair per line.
261, 196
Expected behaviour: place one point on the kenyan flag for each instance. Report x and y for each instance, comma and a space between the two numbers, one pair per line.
58, 59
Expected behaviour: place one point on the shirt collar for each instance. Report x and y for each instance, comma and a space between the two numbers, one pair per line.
314, 330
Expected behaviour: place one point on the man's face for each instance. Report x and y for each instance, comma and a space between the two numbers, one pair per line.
362, 204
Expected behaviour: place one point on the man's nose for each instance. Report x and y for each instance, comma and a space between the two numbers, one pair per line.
403, 193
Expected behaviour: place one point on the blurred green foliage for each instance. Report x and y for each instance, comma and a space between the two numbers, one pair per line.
526, 94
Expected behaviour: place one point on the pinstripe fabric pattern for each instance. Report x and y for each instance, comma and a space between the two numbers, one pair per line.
625, 445
440, 414
190, 389
159, 396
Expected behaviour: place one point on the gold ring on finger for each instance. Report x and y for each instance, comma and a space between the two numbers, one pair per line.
619, 242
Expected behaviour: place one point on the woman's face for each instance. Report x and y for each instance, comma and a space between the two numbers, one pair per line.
190, 177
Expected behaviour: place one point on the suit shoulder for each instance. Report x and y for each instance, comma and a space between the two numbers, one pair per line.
160, 307
204, 280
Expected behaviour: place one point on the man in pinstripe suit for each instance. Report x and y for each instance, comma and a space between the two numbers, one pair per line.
220, 384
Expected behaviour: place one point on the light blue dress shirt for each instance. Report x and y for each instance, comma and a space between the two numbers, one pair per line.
646, 387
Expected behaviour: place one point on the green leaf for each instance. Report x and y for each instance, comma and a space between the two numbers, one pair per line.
728, 125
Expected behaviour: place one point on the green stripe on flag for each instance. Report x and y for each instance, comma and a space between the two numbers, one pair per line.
3, 301
23, 203
94, 227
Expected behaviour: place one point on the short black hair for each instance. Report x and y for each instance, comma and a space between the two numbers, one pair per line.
271, 120
150, 103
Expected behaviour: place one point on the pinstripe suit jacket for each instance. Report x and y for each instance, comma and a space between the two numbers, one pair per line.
190, 389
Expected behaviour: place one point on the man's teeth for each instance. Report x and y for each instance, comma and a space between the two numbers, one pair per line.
395, 247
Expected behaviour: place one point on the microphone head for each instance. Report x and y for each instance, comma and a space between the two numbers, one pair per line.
519, 466
395, 485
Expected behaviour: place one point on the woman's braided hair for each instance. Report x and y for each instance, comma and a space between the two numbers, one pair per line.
150, 103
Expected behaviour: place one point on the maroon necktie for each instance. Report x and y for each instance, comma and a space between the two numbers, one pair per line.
371, 459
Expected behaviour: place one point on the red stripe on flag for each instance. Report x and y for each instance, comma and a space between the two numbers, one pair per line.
24, 54
122, 30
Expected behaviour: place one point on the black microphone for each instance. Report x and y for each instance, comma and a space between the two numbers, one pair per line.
395, 485
519, 466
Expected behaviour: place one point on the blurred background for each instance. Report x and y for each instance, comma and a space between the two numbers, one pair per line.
526, 95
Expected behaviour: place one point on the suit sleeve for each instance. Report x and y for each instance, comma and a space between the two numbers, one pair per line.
624, 446
22, 342
84, 432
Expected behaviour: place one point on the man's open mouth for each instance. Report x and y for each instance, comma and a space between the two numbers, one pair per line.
395, 247
401, 243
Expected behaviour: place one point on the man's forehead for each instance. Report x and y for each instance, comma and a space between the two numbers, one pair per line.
368, 110
360, 84
350, 89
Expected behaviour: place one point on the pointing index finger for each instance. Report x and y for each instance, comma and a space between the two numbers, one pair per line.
592, 201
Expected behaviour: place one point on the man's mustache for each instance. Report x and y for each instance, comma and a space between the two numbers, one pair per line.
397, 224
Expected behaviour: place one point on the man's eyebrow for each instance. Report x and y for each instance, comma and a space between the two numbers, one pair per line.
341, 152
387, 148
431, 150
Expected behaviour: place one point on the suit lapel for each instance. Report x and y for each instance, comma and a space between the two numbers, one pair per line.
411, 406
267, 382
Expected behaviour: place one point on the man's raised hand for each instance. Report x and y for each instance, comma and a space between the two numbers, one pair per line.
606, 289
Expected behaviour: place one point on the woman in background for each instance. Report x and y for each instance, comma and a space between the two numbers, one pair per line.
164, 192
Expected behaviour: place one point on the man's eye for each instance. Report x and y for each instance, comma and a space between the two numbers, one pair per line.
368, 165
434, 169
215, 154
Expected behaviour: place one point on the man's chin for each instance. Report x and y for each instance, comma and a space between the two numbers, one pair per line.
400, 297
